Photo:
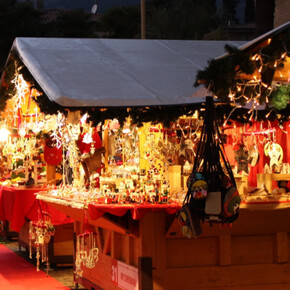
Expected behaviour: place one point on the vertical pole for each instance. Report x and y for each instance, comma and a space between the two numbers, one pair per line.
143, 19
50, 174
106, 145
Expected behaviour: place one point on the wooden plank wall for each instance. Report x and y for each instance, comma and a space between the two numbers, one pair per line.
253, 254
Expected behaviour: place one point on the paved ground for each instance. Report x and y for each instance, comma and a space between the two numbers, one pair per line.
64, 274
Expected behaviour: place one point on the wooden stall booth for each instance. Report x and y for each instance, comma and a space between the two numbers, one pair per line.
126, 123
150, 252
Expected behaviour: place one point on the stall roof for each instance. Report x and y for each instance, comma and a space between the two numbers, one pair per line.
118, 72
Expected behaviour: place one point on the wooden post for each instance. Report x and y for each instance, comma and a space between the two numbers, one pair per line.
106, 145
145, 273
143, 19
50, 174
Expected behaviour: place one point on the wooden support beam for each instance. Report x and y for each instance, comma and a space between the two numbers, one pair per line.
107, 244
98, 238
115, 245
128, 250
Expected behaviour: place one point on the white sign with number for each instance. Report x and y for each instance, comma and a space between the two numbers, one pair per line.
124, 276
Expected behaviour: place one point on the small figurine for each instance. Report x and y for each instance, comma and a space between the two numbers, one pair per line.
30, 180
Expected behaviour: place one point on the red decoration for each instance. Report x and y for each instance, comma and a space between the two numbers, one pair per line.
52, 154
86, 147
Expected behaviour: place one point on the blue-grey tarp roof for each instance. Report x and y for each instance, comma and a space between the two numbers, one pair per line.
118, 72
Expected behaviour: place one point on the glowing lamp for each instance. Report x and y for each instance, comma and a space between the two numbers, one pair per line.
4, 134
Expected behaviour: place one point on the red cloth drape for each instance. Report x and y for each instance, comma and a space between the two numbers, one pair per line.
17, 204
137, 210
280, 136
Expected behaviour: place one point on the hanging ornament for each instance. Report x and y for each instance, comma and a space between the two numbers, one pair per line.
87, 254
242, 159
84, 142
52, 153
275, 152
40, 233
254, 155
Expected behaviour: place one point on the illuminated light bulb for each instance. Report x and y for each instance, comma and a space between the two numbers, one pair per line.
284, 55
275, 64
126, 131
267, 100
260, 69
253, 57
269, 40
22, 132
264, 85
239, 88
4, 134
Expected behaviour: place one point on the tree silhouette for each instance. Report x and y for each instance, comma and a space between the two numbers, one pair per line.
16, 19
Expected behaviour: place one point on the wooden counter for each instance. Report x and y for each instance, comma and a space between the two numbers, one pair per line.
253, 254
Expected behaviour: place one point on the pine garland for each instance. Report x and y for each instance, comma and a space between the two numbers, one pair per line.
222, 76
138, 115
281, 97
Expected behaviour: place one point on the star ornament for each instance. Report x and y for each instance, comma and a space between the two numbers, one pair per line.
242, 158
275, 152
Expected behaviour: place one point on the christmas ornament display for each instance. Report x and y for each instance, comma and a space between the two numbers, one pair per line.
40, 233
87, 254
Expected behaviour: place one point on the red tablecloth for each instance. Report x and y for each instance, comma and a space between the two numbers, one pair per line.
16, 204
137, 210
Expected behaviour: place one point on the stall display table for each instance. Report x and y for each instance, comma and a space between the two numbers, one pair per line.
266, 179
18, 206
150, 252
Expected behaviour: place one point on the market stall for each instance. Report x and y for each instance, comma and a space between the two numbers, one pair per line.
137, 142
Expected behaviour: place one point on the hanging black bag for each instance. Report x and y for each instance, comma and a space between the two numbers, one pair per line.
212, 195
